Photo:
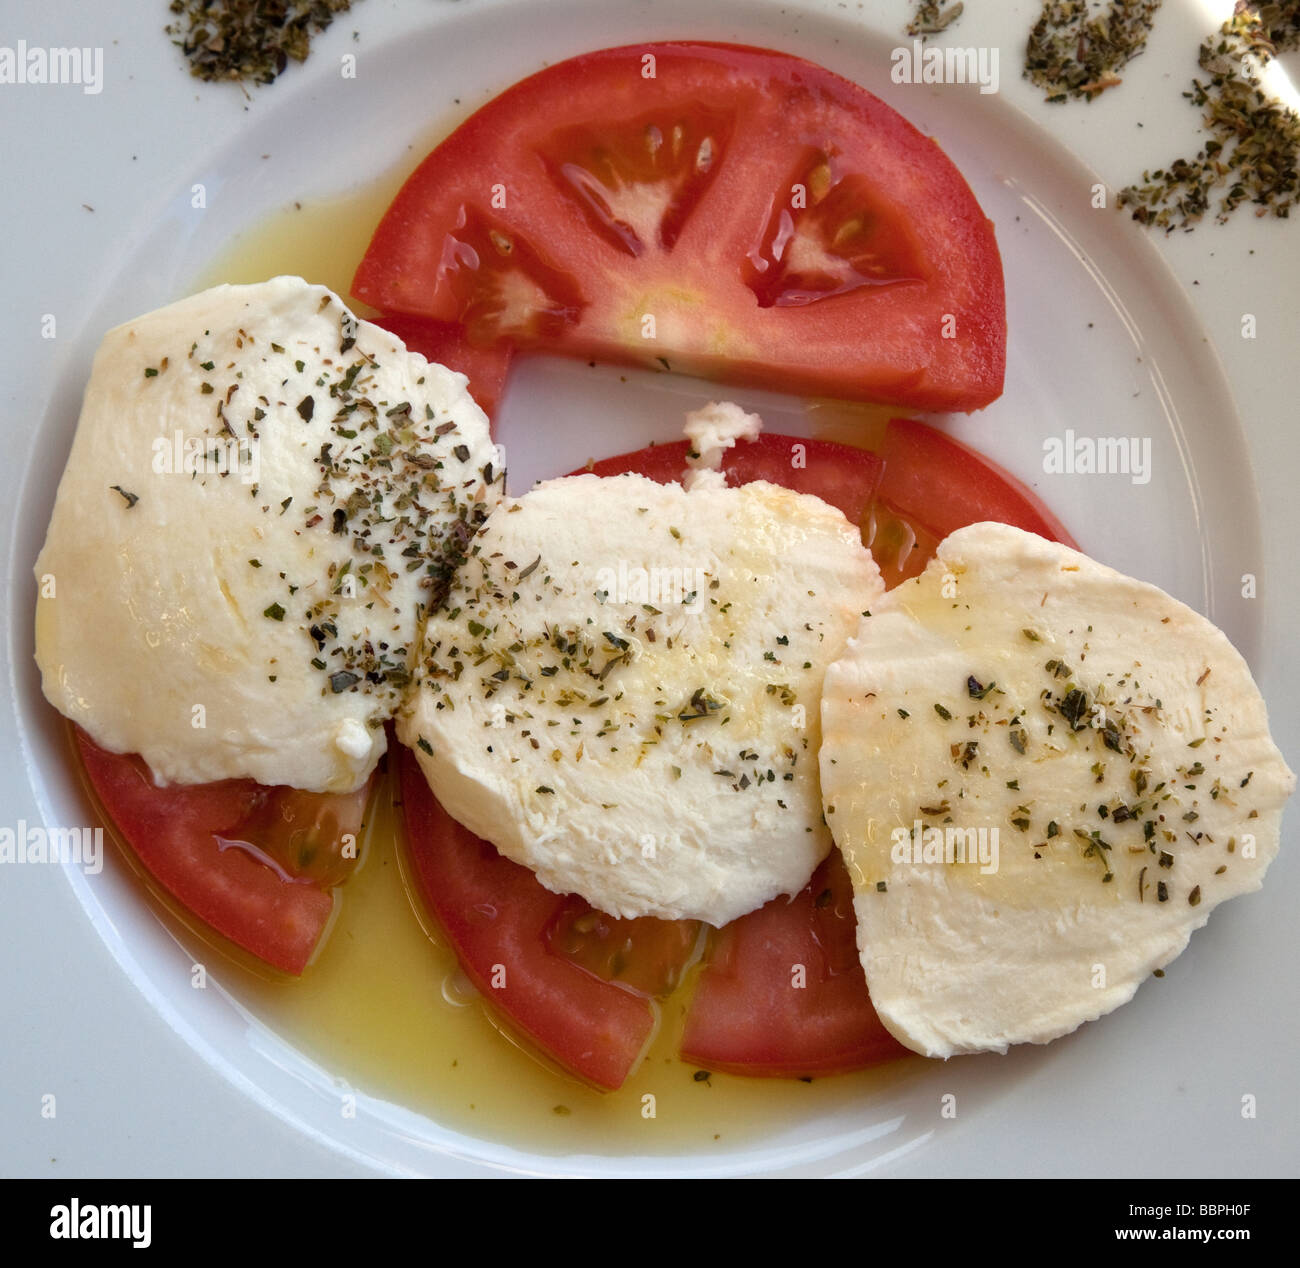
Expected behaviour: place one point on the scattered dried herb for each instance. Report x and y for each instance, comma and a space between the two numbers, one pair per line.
248, 41
1073, 51
701, 706
1074, 708
1251, 155
931, 17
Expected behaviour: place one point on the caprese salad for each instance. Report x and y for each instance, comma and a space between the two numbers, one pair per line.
858, 729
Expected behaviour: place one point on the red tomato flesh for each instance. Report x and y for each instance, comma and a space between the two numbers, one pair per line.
784, 994
733, 212
642, 955
497, 916
847, 478
191, 840
745, 1017
931, 485
943, 485
447, 344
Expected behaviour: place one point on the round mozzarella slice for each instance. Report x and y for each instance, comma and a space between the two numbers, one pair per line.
264, 494
1043, 776
622, 689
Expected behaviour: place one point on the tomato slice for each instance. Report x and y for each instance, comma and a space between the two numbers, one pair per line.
232, 852
943, 485
498, 917
847, 478
643, 955
900, 546
448, 344
733, 212
920, 486
931, 486
310, 836
784, 994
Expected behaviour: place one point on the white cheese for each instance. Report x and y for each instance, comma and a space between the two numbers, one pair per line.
622, 692
1097, 754
250, 526
712, 430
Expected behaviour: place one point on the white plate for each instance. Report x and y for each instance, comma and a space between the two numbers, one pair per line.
1104, 340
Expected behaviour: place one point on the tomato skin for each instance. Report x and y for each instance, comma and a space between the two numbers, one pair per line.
747, 1015
497, 913
845, 295
449, 345
173, 832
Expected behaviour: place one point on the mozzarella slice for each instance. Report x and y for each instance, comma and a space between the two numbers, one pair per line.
1043, 776
621, 692
264, 494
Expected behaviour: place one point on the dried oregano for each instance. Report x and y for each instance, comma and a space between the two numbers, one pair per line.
930, 17
1255, 141
249, 41
1074, 51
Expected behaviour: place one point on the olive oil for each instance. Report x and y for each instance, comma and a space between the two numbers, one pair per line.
322, 241
855, 423
384, 1007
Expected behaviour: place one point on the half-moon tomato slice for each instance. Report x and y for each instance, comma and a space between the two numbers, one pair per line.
256, 863
725, 211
